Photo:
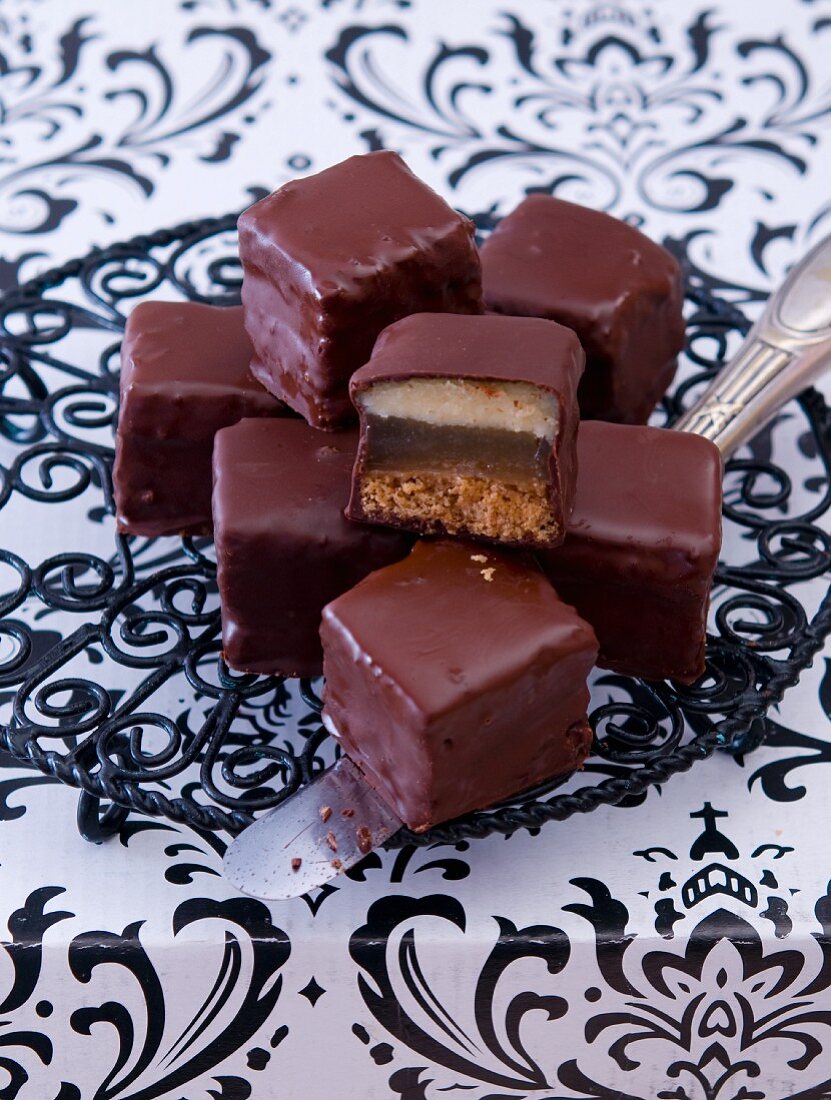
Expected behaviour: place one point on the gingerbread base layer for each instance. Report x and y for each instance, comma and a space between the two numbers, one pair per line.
461, 504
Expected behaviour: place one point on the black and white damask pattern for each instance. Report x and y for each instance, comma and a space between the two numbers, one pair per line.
719, 1009
679, 950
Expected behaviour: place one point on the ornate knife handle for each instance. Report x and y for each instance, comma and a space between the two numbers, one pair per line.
787, 349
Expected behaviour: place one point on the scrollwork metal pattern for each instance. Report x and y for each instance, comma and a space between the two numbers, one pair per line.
144, 615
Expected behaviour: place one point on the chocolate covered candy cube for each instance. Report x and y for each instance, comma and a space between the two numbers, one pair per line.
332, 259
283, 546
456, 678
620, 292
642, 546
468, 428
184, 375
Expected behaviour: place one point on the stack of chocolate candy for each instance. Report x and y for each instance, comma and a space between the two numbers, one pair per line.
432, 532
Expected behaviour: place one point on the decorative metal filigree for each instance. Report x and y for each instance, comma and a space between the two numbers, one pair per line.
111, 678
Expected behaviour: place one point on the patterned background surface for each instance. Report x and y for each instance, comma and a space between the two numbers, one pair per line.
679, 948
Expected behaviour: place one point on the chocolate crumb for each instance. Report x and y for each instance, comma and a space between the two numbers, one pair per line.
296, 863
325, 813
348, 812
331, 840
336, 863
364, 839
488, 573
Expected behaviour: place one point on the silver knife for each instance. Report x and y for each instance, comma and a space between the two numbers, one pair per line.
334, 821
325, 828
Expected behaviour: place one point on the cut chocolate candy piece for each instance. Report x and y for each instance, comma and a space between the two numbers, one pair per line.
184, 375
468, 428
283, 546
332, 259
620, 292
456, 678
642, 546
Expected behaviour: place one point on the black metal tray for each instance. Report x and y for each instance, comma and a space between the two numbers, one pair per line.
110, 674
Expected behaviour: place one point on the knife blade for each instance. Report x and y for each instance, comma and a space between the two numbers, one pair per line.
320, 831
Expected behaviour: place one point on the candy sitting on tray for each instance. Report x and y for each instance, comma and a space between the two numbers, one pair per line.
283, 546
620, 292
642, 546
456, 678
468, 427
442, 659
184, 375
332, 259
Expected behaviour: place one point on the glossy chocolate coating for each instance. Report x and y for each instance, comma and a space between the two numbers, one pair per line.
283, 546
456, 678
620, 292
642, 546
184, 375
332, 259
537, 352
